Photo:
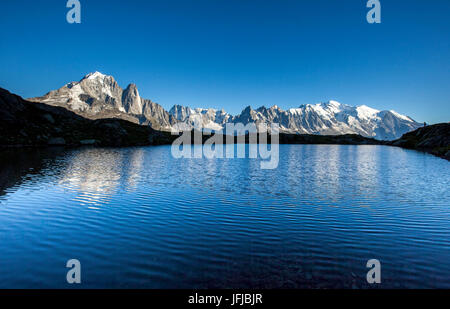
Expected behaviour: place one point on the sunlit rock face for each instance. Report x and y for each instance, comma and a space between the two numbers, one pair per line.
131, 100
200, 118
331, 118
99, 96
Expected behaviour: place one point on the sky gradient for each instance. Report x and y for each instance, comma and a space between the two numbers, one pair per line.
234, 53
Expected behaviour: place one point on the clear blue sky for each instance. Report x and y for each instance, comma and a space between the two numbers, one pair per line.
233, 53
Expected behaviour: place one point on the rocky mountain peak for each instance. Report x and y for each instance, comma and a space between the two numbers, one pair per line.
132, 87
180, 113
247, 110
95, 75
131, 100
333, 103
275, 107
99, 96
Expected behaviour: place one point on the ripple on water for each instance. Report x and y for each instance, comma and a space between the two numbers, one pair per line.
137, 217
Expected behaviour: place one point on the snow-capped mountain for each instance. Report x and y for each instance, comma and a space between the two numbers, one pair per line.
99, 96
331, 118
200, 118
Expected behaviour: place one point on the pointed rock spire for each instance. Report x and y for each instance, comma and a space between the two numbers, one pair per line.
131, 100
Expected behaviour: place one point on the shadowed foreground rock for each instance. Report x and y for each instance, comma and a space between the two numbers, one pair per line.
24, 123
434, 139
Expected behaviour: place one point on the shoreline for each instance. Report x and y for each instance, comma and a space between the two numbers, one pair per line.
25, 124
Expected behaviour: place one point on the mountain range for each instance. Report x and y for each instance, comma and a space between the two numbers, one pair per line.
99, 96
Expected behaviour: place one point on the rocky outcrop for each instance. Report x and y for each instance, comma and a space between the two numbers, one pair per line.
156, 116
98, 96
131, 100
434, 139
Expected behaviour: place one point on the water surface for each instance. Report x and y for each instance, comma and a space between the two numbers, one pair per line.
138, 218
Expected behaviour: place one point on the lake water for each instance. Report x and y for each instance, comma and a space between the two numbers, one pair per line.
138, 218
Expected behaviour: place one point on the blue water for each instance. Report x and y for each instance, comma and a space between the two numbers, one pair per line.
138, 218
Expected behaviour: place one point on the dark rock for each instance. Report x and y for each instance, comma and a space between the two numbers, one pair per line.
49, 118
88, 142
56, 141
434, 139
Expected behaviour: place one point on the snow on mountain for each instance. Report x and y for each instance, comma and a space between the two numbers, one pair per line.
330, 118
200, 118
99, 96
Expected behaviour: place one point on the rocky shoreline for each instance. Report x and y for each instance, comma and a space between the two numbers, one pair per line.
434, 139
